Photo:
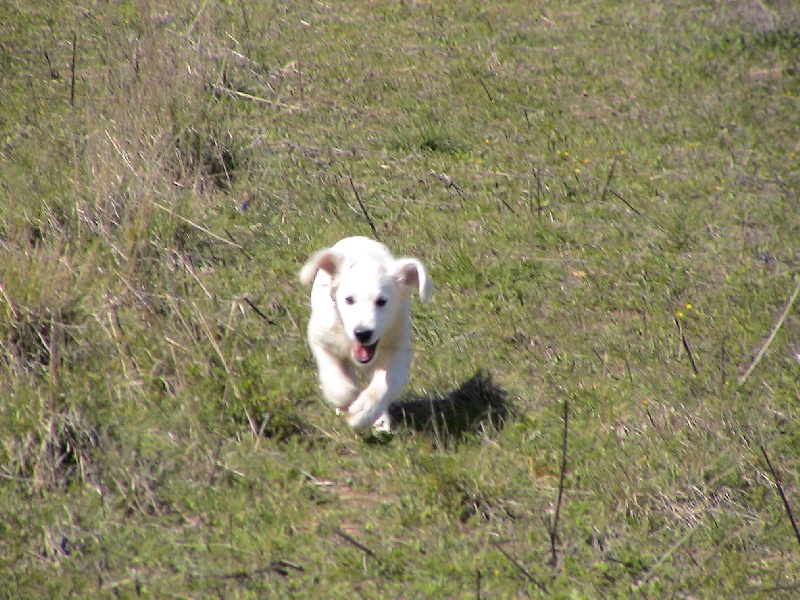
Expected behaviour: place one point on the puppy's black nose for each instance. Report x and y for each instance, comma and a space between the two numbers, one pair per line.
362, 335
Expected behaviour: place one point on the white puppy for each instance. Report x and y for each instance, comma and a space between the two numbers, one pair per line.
360, 325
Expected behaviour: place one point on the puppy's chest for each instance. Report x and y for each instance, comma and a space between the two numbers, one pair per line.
337, 339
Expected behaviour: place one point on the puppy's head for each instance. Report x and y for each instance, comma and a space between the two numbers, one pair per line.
368, 294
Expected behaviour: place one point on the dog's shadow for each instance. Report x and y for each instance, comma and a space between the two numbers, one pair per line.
458, 415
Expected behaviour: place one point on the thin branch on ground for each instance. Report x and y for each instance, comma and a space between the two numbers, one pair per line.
772, 335
553, 532
539, 190
777, 479
280, 566
686, 346
618, 196
364, 210
449, 182
252, 98
257, 310
520, 567
196, 226
72, 69
53, 72
230, 236
485, 89
608, 181
653, 570
355, 543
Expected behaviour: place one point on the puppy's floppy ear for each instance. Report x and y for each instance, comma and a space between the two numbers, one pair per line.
410, 271
324, 260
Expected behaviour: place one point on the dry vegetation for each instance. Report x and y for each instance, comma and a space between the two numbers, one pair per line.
605, 390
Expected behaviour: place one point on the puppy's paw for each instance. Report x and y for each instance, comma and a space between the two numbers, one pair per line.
364, 412
383, 424
340, 394
380, 432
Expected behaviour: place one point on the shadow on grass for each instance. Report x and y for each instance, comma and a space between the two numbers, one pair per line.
466, 411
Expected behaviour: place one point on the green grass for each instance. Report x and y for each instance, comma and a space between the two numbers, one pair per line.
606, 194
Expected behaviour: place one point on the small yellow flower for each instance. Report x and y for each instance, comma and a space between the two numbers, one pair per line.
487, 141
688, 306
577, 171
679, 314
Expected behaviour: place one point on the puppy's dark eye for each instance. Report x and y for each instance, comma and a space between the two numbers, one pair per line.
381, 301
349, 300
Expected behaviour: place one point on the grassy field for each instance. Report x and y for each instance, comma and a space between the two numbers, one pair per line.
605, 392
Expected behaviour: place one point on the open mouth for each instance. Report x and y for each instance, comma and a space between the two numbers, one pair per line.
363, 353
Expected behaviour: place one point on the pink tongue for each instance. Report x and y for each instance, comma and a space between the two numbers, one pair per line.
361, 352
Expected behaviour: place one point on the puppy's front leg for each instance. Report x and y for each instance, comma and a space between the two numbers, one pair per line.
336, 378
372, 405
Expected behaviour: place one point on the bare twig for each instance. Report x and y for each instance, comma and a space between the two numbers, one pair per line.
686, 346
258, 311
354, 542
618, 196
561, 477
520, 567
252, 98
608, 181
8, 301
300, 77
607, 190
364, 210
53, 72
777, 479
197, 16
772, 335
539, 190
669, 553
72, 70
248, 62
196, 226
215, 460
121, 153
507, 205
280, 566
448, 181
246, 26
485, 89
233, 239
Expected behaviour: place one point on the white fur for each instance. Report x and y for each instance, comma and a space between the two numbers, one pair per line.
360, 289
